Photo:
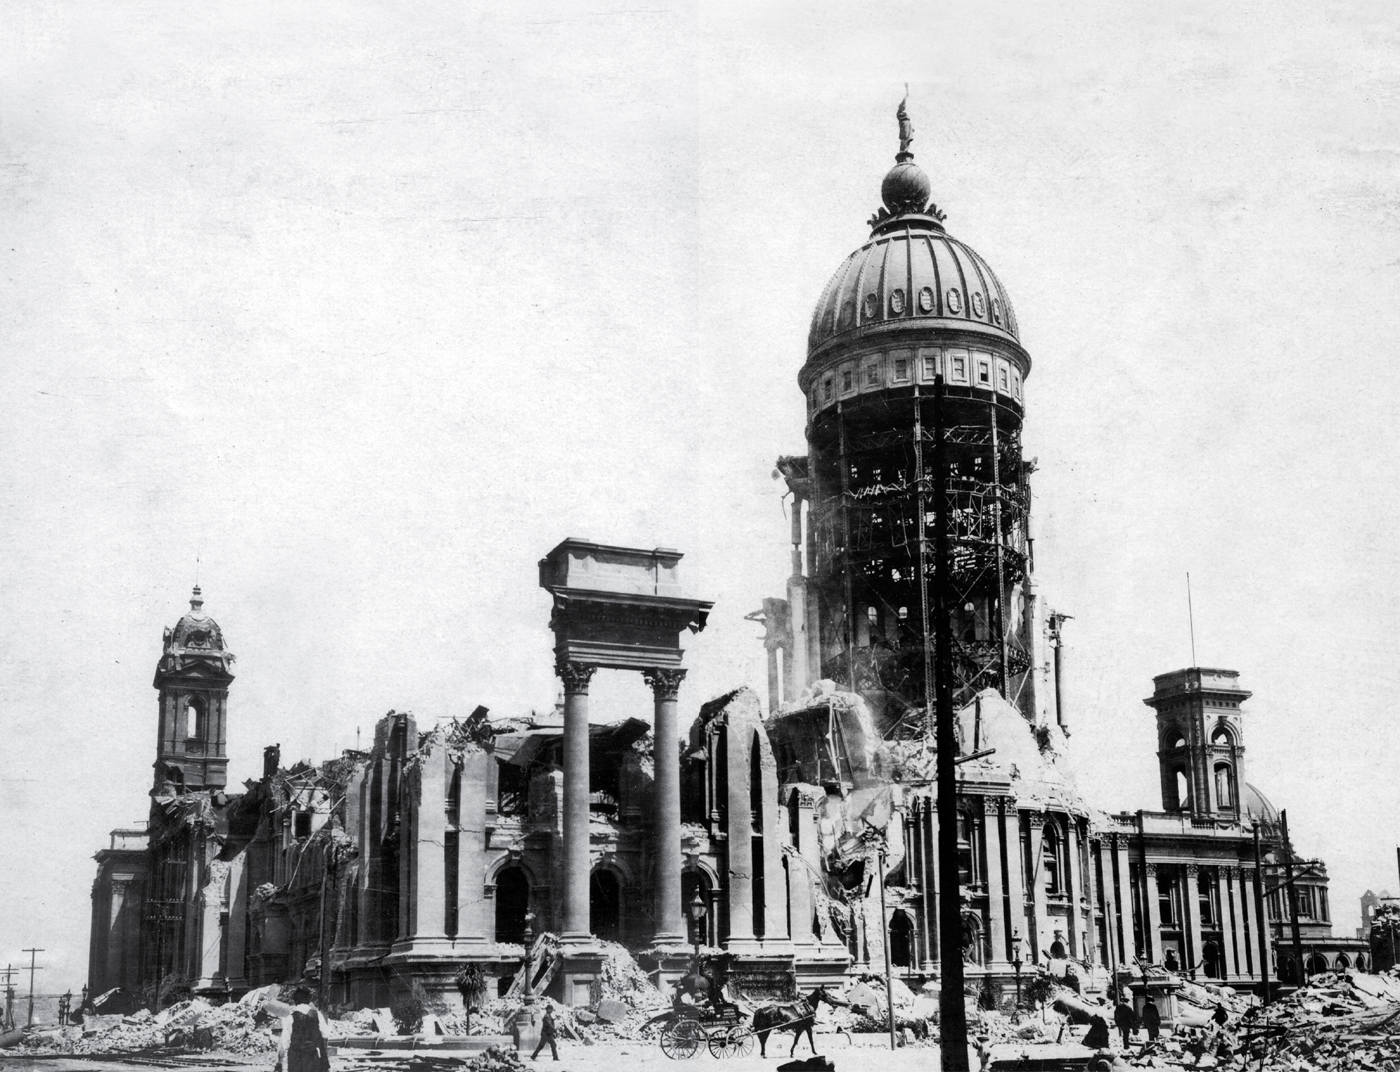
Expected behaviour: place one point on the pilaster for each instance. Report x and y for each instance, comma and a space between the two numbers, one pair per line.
1154, 915
998, 940
1192, 909
1039, 935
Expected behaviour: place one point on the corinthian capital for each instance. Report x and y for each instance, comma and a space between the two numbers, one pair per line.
575, 676
665, 684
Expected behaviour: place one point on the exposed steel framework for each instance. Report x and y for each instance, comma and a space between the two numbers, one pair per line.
873, 515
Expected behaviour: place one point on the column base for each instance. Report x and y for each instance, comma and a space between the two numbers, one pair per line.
667, 963
580, 970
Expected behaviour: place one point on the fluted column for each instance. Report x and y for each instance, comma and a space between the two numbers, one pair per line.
576, 677
1191, 906
1040, 935
665, 758
1010, 823
1228, 882
996, 881
1074, 885
1154, 914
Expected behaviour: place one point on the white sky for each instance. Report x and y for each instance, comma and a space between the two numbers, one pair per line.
370, 304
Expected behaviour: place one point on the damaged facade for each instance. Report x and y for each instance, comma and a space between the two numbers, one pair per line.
428, 851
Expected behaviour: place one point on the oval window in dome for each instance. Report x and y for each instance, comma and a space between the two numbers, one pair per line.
926, 300
954, 301
978, 305
872, 306
896, 302
996, 311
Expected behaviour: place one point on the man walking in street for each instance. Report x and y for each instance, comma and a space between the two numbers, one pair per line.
1151, 1020
547, 1035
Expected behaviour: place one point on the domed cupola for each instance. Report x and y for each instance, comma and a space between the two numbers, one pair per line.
193, 677
913, 283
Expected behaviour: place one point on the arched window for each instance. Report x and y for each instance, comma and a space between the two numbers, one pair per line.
1317, 964
1224, 786
1210, 958
1361, 962
901, 940
1343, 962
1175, 740
605, 906
1221, 737
1287, 970
196, 719
1183, 791
512, 902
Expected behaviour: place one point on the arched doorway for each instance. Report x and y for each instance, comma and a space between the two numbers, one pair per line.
1317, 964
901, 941
605, 906
1343, 962
1287, 970
512, 902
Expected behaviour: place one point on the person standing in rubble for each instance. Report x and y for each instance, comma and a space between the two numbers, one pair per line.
1151, 1019
1126, 1021
303, 1047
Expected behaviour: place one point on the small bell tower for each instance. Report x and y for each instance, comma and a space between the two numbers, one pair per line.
1200, 740
192, 678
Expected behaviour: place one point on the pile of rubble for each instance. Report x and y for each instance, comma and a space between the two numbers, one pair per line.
235, 1028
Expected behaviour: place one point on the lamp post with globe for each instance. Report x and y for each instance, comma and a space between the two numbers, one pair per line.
1016, 961
698, 910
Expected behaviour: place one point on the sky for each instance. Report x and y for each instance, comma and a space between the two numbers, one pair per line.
354, 310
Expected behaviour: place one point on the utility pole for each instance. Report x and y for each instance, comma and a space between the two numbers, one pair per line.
9, 974
32, 969
952, 1012
885, 937
1259, 913
1292, 897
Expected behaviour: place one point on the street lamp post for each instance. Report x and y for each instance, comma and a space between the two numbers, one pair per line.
528, 998
1016, 961
698, 910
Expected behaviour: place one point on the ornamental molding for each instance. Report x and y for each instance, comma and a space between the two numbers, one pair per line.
665, 684
575, 676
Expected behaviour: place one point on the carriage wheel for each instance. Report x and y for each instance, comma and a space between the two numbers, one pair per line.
719, 1044
740, 1042
681, 1039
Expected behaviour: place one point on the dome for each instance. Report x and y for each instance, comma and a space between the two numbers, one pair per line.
1258, 806
196, 629
912, 274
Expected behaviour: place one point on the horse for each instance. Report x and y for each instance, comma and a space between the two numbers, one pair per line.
796, 1016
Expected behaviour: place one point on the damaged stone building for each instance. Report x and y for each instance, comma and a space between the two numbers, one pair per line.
431, 849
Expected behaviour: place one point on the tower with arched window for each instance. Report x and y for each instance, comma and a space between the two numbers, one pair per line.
1200, 740
193, 677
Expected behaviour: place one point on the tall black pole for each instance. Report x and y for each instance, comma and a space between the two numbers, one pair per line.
1259, 912
1292, 898
952, 1020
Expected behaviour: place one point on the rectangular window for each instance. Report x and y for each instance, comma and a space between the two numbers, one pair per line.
872, 375
846, 380
960, 369
827, 389
930, 366
901, 368
1005, 383
984, 372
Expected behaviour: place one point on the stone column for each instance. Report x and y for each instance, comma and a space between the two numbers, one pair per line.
1154, 914
116, 932
473, 922
740, 844
1010, 823
576, 677
665, 758
1074, 882
428, 897
996, 881
1193, 913
1040, 935
1123, 895
1230, 907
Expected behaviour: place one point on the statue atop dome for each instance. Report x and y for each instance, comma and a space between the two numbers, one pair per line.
906, 128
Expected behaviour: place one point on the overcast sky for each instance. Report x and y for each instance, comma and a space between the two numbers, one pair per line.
368, 305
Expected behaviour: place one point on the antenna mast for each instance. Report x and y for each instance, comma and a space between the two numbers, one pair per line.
1191, 618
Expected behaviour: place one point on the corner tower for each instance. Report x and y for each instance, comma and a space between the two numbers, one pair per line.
911, 305
193, 678
1200, 740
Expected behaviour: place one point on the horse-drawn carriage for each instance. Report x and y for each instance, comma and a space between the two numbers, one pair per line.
700, 1016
